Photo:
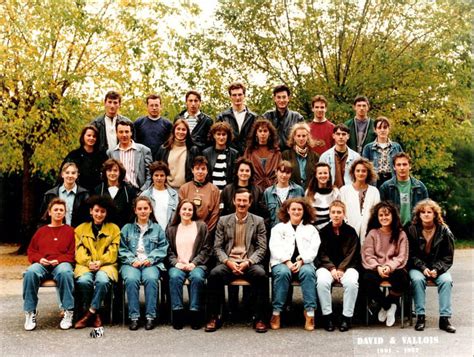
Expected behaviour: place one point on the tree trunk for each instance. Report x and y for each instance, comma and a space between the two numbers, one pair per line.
27, 214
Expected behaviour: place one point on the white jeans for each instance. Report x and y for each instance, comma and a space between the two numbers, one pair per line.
350, 283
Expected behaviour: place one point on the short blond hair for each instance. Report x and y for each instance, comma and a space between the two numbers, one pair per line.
299, 126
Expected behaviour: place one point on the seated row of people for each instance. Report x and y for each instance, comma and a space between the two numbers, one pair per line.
240, 248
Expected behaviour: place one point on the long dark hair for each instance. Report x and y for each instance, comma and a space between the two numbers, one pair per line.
395, 226
273, 142
177, 218
96, 132
313, 185
243, 161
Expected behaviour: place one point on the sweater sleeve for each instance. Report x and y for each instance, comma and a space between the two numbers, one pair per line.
214, 214
369, 259
34, 255
399, 261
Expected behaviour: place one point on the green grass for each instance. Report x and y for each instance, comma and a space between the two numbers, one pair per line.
464, 244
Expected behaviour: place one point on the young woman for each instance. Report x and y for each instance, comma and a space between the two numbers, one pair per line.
263, 151
142, 253
359, 196
243, 177
431, 257
321, 193
294, 244
178, 153
74, 195
51, 254
163, 198
88, 158
122, 193
220, 155
339, 261
188, 254
282, 190
381, 151
384, 257
97, 244
301, 156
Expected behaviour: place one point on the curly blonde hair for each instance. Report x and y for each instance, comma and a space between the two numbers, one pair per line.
420, 206
299, 126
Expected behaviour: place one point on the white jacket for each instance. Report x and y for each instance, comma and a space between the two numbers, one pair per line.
283, 238
354, 217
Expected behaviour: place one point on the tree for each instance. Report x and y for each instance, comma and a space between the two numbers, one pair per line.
54, 57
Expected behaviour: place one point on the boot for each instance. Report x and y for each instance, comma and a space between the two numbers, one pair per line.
445, 325
85, 320
328, 323
345, 324
97, 320
196, 321
420, 323
178, 319
309, 322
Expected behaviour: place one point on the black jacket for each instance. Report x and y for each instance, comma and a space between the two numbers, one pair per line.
442, 249
201, 131
283, 124
231, 155
89, 165
240, 138
123, 202
80, 212
99, 123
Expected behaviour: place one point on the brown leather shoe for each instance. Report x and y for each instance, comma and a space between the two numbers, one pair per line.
97, 321
275, 322
309, 322
261, 327
85, 320
212, 325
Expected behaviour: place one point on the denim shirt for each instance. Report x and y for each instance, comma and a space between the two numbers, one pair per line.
273, 203
154, 240
372, 154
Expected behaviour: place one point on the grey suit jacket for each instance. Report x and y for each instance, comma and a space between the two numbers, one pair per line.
255, 238
143, 159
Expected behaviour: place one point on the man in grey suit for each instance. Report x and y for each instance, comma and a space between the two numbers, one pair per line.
240, 246
136, 158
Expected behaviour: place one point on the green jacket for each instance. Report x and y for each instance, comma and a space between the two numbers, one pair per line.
369, 135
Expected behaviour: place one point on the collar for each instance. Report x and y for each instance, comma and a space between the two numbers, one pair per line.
376, 144
63, 189
236, 111
244, 220
133, 146
319, 122
113, 120
187, 115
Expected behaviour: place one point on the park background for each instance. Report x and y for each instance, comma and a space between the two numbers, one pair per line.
58, 58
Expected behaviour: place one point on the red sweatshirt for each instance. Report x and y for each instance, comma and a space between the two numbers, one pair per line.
52, 243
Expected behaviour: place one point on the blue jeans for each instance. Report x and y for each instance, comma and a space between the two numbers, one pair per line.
62, 274
444, 283
85, 286
133, 277
197, 278
282, 277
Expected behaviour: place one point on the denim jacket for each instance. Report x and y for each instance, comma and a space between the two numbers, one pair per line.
172, 201
154, 240
371, 153
273, 203
389, 191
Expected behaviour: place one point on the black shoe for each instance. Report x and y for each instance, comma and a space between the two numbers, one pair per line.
420, 323
345, 324
149, 324
196, 321
445, 325
178, 319
328, 323
133, 325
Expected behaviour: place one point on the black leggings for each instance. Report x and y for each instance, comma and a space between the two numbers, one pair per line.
398, 279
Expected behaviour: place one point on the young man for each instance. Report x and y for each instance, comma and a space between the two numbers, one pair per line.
338, 262
240, 246
136, 158
199, 123
106, 123
281, 117
403, 190
152, 130
321, 128
361, 126
340, 157
238, 116
202, 193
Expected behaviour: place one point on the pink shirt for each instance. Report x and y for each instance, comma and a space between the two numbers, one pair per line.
185, 237
377, 250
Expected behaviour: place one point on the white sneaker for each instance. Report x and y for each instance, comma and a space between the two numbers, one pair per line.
30, 320
66, 322
382, 315
391, 315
